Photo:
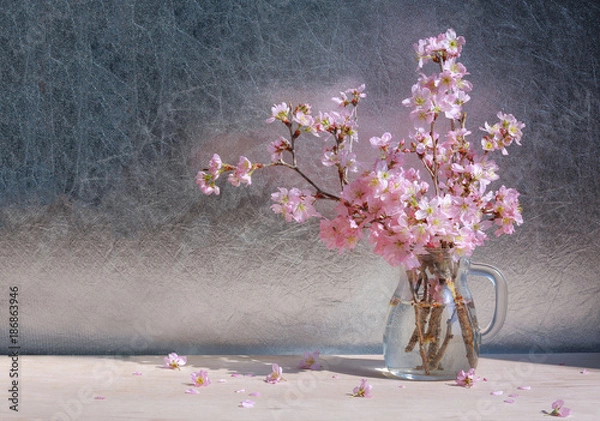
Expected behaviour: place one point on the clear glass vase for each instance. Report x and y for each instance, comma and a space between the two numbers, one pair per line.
432, 331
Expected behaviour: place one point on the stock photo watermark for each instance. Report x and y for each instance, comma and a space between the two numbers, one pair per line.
14, 347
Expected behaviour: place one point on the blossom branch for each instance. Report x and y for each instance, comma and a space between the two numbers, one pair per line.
319, 192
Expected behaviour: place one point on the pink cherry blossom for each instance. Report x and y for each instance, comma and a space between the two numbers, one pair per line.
422, 118
466, 379
455, 67
512, 127
310, 361
381, 142
507, 210
422, 52
200, 378
276, 375
421, 98
206, 183
355, 95
279, 112
242, 173
453, 43
340, 156
174, 361
215, 165
304, 120
363, 390
502, 134
278, 147
559, 410
340, 233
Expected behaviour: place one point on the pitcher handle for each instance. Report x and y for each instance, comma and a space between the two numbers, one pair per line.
501, 290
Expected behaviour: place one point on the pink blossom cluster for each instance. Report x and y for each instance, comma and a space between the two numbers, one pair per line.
401, 217
339, 125
400, 212
294, 204
502, 134
444, 47
240, 174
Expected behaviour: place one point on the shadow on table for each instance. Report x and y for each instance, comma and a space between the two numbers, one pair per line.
261, 365
367, 366
582, 360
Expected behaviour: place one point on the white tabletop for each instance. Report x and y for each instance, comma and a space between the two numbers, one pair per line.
139, 388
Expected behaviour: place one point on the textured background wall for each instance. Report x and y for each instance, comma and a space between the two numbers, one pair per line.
109, 108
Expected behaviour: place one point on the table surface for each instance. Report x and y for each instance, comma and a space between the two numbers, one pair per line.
140, 388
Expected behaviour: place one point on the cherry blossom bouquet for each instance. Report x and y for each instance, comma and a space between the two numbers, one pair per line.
412, 216
402, 214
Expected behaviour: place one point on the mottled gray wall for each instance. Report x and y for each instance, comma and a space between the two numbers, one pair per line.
109, 108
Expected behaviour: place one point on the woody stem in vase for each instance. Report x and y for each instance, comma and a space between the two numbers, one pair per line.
426, 282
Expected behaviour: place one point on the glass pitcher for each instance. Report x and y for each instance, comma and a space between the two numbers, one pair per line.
431, 331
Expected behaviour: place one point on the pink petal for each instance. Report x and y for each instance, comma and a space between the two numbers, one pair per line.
240, 391
402, 386
222, 381
565, 412
254, 394
236, 375
192, 391
585, 371
513, 395
247, 404
524, 387
99, 398
497, 393
137, 373
509, 401
335, 376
